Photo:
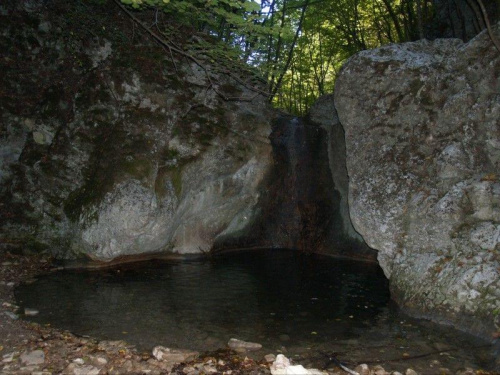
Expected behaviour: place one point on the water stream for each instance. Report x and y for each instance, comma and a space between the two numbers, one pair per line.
302, 305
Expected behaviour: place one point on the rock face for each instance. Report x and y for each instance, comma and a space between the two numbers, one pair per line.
304, 206
125, 149
423, 156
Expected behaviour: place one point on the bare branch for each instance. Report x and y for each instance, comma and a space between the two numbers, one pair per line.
488, 25
163, 42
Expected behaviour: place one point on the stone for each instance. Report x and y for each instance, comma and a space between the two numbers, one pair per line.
112, 346
164, 354
101, 361
189, 370
421, 132
35, 357
379, 370
183, 169
410, 372
79, 361
86, 370
209, 369
9, 357
362, 369
269, 358
282, 366
466, 371
30, 312
236, 344
11, 315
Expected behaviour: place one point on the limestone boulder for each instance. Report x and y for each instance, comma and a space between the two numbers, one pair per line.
125, 150
422, 125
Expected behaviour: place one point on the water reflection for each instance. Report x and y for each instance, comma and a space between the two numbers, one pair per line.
282, 299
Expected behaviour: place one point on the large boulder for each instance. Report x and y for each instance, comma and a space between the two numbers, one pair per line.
120, 148
423, 157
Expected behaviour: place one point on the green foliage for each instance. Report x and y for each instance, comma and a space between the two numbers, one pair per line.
297, 46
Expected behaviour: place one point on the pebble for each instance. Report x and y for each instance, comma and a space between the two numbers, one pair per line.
86, 370
362, 369
411, 371
162, 353
7, 358
11, 315
270, 358
444, 371
101, 361
30, 312
208, 369
112, 346
466, 371
36, 357
79, 361
236, 344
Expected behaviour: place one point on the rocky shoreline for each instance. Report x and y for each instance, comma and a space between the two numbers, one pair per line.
29, 348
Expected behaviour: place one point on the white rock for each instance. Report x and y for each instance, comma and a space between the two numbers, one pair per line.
86, 370
162, 353
30, 312
282, 366
101, 361
239, 344
79, 361
36, 357
270, 357
362, 369
7, 358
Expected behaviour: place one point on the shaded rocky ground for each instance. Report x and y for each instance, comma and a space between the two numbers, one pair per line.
28, 348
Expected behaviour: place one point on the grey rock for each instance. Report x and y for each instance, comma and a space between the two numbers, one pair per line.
164, 354
35, 357
30, 312
421, 127
323, 112
270, 358
236, 344
112, 346
137, 163
362, 369
9, 357
11, 315
86, 370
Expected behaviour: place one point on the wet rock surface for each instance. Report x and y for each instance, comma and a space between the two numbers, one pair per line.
304, 205
423, 154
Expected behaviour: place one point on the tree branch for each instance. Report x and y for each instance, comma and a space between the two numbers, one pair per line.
163, 42
488, 25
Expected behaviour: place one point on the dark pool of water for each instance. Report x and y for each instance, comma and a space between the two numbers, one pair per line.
303, 305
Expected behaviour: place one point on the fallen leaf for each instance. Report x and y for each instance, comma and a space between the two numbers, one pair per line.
489, 177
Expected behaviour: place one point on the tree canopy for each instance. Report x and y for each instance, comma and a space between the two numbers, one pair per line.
297, 46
